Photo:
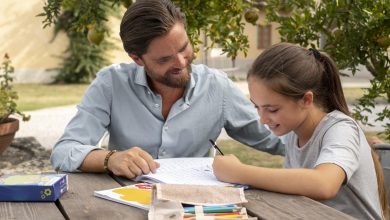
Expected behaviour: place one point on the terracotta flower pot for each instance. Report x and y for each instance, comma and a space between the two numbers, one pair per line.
7, 132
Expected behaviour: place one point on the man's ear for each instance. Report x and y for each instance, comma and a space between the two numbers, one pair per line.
308, 98
137, 59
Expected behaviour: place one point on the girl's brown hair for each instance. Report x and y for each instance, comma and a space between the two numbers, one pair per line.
292, 71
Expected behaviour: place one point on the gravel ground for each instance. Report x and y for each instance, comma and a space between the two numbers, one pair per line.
47, 125
25, 155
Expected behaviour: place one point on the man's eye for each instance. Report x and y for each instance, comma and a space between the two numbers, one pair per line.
273, 110
163, 61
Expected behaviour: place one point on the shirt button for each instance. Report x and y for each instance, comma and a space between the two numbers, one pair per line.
166, 127
149, 93
156, 105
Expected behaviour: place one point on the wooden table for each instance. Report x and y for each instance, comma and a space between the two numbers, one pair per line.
79, 203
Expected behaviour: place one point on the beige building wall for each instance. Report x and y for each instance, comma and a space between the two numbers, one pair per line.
251, 32
28, 44
22, 36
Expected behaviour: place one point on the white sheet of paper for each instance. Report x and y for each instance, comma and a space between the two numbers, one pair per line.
186, 170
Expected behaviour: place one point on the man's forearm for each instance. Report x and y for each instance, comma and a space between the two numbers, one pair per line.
94, 161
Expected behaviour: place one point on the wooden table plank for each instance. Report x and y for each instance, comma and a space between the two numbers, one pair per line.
270, 205
80, 203
29, 210
123, 181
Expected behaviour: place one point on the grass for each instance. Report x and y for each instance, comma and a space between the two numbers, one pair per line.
35, 96
249, 155
352, 94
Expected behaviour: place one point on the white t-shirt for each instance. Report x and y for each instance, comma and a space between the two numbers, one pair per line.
339, 140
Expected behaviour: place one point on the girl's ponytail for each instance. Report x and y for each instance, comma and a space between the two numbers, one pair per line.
331, 83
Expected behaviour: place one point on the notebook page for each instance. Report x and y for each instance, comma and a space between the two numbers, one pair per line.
197, 171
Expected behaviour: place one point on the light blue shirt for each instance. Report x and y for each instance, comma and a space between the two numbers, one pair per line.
120, 101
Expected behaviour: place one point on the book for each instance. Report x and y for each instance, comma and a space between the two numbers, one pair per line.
185, 170
32, 187
138, 195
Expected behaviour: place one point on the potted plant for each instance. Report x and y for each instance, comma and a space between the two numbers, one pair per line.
8, 107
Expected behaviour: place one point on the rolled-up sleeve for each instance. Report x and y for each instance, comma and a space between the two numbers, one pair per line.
87, 127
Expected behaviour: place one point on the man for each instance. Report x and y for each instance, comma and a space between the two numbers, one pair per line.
161, 106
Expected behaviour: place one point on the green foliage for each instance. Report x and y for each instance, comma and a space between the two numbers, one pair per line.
353, 33
7, 95
83, 59
221, 20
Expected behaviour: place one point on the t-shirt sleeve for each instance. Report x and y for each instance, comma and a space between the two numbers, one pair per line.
341, 146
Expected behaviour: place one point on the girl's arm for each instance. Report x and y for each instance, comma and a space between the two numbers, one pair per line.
321, 183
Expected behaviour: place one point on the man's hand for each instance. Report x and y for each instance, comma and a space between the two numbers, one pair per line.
132, 163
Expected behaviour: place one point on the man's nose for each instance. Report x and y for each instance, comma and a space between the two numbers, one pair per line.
181, 61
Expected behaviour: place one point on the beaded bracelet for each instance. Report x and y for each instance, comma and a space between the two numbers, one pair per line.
106, 160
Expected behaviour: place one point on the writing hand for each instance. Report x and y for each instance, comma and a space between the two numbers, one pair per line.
132, 163
227, 168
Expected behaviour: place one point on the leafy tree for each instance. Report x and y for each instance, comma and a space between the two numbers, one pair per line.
353, 32
220, 20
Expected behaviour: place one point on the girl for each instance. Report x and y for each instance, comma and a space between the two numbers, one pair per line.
298, 92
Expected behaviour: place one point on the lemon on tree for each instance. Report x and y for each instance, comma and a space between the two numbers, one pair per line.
251, 16
95, 36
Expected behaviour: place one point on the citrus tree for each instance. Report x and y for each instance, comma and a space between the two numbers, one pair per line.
220, 20
354, 33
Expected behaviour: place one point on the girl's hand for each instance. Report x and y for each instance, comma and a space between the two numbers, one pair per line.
227, 168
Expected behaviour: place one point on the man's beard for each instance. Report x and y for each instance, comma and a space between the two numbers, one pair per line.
169, 78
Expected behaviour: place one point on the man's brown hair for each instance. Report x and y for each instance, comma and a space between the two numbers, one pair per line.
146, 20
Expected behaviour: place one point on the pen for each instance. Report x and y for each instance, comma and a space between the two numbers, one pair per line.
215, 146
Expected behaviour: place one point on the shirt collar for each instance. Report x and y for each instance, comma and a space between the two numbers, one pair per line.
189, 89
141, 79
140, 76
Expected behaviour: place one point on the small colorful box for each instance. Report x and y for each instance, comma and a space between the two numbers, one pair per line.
32, 187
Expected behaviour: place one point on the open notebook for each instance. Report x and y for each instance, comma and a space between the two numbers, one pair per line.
186, 170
